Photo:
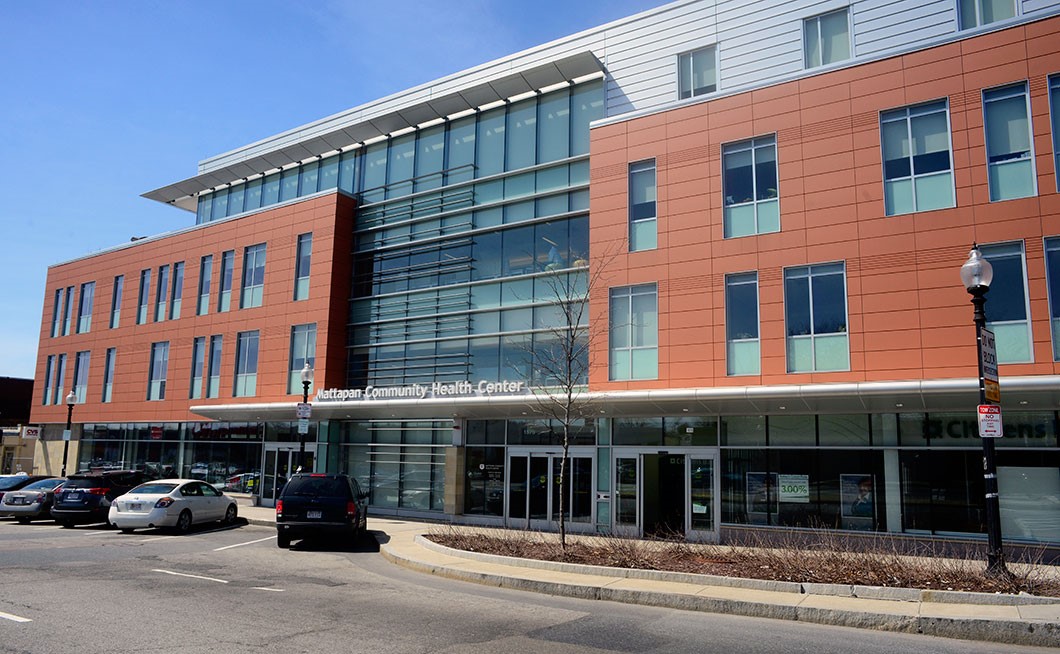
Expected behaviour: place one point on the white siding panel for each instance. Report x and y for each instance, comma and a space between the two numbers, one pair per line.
1032, 6
880, 25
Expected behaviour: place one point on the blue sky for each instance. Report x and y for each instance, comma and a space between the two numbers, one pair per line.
104, 101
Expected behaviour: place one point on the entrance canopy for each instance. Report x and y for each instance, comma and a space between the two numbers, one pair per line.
1018, 393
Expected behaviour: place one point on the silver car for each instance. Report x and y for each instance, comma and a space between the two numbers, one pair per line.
31, 501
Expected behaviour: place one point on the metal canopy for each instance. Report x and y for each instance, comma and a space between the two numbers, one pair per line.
1018, 393
359, 124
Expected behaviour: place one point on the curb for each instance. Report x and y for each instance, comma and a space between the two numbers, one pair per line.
1041, 634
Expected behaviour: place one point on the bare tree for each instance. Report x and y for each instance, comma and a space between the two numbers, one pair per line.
561, 357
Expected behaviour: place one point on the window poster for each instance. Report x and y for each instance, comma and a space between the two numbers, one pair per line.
857, 493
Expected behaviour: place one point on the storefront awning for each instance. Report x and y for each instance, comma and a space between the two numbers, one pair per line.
1017, 393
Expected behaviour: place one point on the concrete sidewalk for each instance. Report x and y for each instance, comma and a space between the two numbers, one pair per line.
1023, 620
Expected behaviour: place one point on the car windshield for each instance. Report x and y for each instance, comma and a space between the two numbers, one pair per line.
44, 484
153, 489
316, 487
11, 482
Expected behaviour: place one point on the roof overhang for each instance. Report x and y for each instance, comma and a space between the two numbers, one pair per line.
379, 118
1019, 393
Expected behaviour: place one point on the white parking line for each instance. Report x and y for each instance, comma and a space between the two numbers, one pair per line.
260, 540
13, 618
181, 574
271, 590
151, 540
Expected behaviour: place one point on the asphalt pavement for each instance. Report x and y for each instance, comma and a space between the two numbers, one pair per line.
1019, 619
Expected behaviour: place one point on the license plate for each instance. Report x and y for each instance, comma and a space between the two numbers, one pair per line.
135, 506
72, 496
311, 515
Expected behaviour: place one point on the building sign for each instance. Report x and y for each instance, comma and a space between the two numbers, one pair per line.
795, 488
31, 432
990, 421
988, 361
424, 391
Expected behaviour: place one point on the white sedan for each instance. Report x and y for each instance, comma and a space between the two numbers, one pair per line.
174, 503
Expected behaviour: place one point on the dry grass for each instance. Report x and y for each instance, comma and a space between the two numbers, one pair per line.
820, 556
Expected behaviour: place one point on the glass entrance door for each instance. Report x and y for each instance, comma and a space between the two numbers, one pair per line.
703, 507
280, 461
666, 493
534, 490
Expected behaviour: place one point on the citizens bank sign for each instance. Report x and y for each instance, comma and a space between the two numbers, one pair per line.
424, 391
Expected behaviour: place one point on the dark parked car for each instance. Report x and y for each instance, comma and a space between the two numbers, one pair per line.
85, 498
318, 504
31, 501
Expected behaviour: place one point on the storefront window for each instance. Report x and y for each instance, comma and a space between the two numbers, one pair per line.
484, 481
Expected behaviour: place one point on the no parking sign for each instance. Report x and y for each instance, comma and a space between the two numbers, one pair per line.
990, 421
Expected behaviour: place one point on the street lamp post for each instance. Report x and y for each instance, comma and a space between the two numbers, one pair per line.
307, 379
976, 274
71, 399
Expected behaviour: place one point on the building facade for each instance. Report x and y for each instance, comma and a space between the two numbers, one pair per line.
738, 226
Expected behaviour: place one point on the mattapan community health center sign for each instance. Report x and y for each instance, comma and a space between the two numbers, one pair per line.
424, 391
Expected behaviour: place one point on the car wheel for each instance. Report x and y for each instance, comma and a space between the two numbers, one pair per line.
127, 530
230, 514
183, 522
23, 521
283, 541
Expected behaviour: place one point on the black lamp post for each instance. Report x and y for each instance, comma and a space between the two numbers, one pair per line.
976, 274
307, 379
71, 399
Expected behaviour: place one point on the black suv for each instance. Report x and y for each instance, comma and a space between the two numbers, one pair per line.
85, 498
315, 504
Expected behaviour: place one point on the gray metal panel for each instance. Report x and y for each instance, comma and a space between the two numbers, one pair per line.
1031, 6
881, 26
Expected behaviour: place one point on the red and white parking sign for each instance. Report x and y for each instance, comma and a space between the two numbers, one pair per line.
990, 421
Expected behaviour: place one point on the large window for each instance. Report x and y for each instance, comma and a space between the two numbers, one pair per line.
60, 374
917, 166
253, 276
213, 369
68, 307
642, 227
741, 324
205, 277
162, 293
80, 381
634, 333
108, 374
177, 293
49, 379
815, 313
115, 301
1007, 311
303, 256
198, 358
1054, 113
749, 179
974, 13
826, 38
697, 73
246, 381
1052, 274
84, 307
1009, 154
57, 313
144, 297
303, 351
156, 385
224, 298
